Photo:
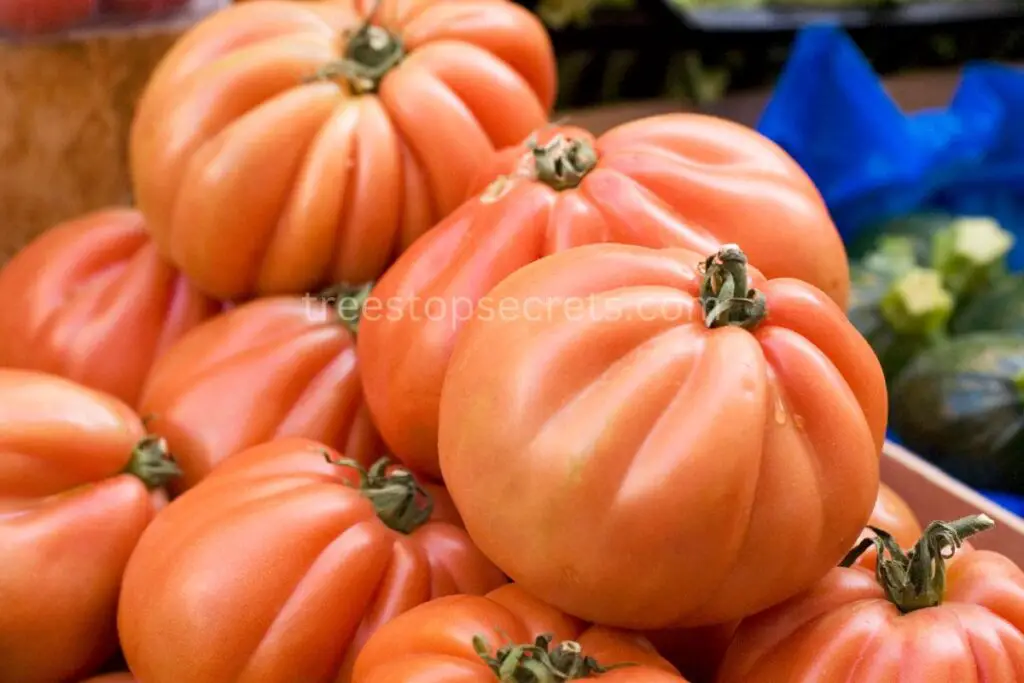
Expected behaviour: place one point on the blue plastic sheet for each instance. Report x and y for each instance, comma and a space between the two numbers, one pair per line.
871, 161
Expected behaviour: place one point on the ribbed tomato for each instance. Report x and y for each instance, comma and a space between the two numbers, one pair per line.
280, 565
648, 438
508, 635
78, 484
678, 180
283, 146
923, 619
275, 367
91, 300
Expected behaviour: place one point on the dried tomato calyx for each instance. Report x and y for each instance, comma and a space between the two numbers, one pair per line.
917, 579
398, 499
152, 463
540, 662
371, 51
726, 296
347, 301
562, 162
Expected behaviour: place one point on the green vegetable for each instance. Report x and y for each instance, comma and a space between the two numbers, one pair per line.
1000, 308
961, 405
899, 307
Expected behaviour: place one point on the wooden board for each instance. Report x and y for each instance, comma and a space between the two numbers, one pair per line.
65, 112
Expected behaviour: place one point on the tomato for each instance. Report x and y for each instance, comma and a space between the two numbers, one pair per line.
892, 515
645, 445
281, 564
78, 484
961, 625
91, 300
469, 639
32, 17
679, 180
282, 146
275, 367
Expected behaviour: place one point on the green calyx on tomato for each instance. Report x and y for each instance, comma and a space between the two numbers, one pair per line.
917, 579
370, 53
540, 662
397, 498
348, 302
562, 162
968, 251
918, 303
725, 293
152, 463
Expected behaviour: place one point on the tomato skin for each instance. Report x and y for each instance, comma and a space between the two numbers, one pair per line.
324, 185
269, 368
91, 300
69, 520
279, 535
678, 180
433, 642
845, 629
587, 447
34, 17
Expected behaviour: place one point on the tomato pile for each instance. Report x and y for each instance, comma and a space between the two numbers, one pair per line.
387, 379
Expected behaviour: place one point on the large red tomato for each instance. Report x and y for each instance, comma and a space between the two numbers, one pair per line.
91, 300
279, 566
281, 146
506, 634
645, 438
679, 180
275, 367
919, 621
77, 474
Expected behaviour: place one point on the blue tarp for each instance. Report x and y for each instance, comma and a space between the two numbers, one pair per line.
871, 161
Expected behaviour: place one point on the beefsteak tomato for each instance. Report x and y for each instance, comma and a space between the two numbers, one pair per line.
280, 565
79, 482
509, 635
645, 438
282, 146
275, 367
916, 620
678, 180
91, 300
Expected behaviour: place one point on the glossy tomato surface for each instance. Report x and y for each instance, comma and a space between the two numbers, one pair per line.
844, 629
276, 569
91, 300
275, 367
678, 180
69, 519
433, 643
625, 462
266, 163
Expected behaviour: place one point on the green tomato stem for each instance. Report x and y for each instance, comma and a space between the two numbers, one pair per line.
539, 662
152, 463
917, 579
725, 293
397, 497
370, 53
348, 302
563, 162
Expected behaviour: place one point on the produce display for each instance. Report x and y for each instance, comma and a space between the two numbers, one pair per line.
933, 295
389, 379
